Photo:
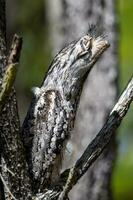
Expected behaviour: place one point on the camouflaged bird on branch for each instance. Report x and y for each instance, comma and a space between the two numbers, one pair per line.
50, 118
32, 156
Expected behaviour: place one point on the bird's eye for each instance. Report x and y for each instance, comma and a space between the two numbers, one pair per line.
85, 54
86, 44
82, 54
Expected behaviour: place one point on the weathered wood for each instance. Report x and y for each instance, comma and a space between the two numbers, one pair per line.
2, 63
10, 71
11, 144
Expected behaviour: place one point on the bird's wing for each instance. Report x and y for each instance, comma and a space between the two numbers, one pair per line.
47, 131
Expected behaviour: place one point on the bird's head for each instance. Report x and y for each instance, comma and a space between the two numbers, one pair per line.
83, 54
74, 61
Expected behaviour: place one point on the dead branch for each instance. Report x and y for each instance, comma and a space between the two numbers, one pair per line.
11, 146
2, 66
11, 70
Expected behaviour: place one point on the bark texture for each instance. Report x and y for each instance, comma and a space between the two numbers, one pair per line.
69, 20
2, 61
11, 145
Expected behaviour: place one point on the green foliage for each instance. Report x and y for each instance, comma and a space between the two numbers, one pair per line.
31, 22
126, 41
123, 173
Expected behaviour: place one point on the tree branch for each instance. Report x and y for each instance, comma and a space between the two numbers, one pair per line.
71, 176
11, 144
2, 66
2, 30
11, 69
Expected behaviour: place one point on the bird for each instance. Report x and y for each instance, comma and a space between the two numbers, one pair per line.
51, 115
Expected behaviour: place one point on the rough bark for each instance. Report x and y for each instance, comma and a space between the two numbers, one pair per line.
11, 145
104, 136
2, 62
70, 19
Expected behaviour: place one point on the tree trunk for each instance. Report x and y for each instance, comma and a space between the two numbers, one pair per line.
69, 20
11, 145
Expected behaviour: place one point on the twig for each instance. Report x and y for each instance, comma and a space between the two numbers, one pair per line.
2, 65
65, 190
2, 32
102, 139
12, 146
95, 148
11, 69
6, 187
7, 169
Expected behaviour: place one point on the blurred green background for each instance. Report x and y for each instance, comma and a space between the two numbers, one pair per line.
29, 19
123, 172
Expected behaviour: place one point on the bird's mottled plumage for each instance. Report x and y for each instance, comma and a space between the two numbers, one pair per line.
51, 116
